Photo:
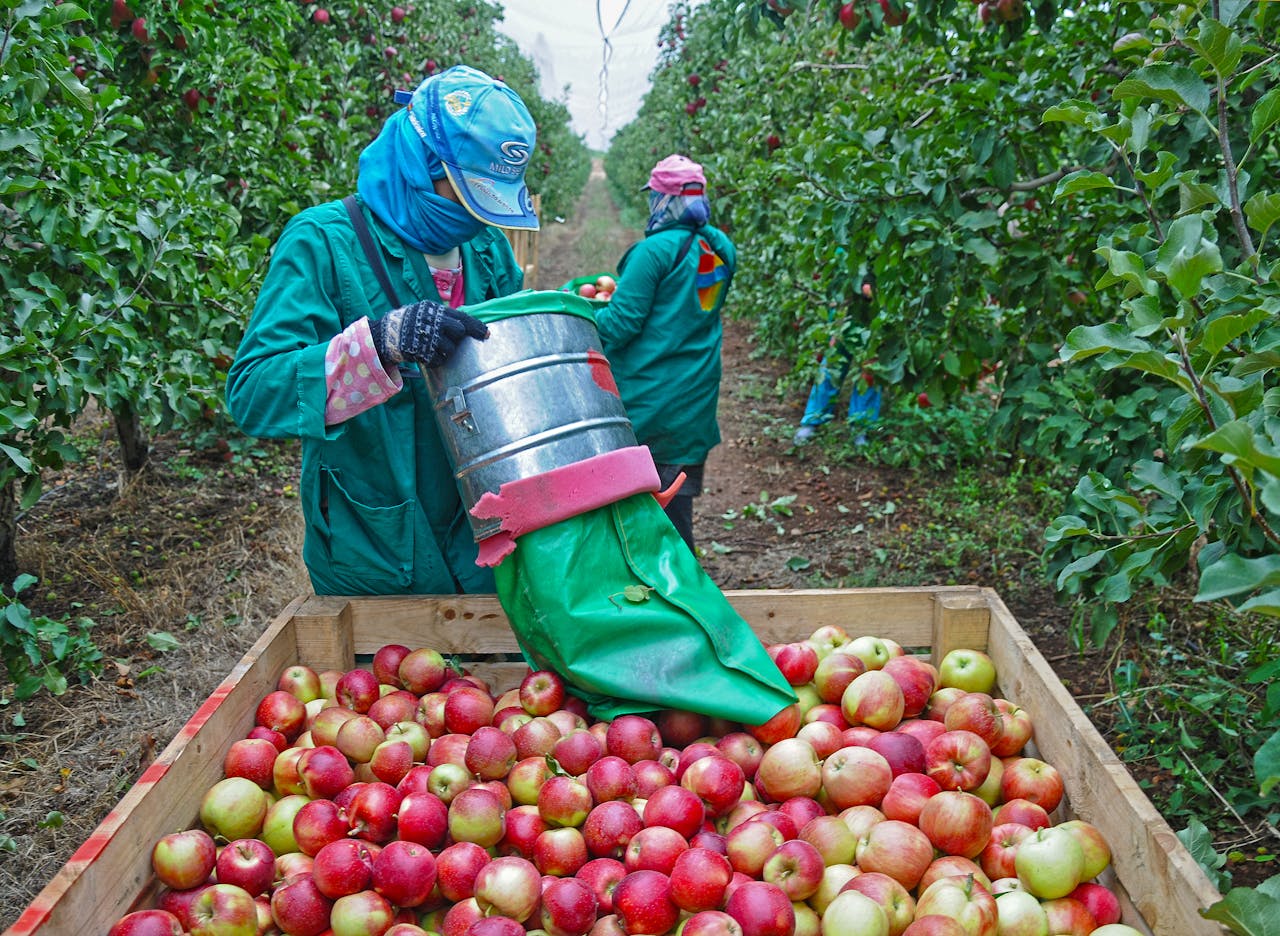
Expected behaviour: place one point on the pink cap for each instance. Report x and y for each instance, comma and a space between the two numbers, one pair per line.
677, 175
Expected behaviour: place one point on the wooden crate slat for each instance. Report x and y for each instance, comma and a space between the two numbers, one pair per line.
1157, 872
104, 877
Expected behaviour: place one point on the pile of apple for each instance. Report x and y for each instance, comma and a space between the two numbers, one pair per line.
894, 798
601, 289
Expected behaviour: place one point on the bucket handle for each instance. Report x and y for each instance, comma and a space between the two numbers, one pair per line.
456, 400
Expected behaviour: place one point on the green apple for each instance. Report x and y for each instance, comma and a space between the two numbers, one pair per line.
970, 670
1049, 862
1020, 914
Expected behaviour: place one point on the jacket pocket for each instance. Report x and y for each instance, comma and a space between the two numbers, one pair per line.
370, 549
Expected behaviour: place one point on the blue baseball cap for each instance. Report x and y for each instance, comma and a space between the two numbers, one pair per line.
484, 135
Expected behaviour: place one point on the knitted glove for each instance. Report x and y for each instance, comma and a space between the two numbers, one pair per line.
424, 332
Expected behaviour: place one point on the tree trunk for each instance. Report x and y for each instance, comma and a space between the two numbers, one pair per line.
8, 534
134, 449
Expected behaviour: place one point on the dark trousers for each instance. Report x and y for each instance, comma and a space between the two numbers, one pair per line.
680, 509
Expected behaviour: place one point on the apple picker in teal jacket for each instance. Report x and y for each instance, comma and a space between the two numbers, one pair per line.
326, 353
661, 330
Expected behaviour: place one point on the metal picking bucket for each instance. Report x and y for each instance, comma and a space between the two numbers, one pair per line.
532, 397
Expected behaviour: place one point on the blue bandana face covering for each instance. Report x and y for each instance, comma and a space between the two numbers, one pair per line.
667, 210
397, 181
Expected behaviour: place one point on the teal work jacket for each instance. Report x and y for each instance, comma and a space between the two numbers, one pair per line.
663, 348
382, 511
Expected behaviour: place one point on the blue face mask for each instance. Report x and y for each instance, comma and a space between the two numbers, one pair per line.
397, 181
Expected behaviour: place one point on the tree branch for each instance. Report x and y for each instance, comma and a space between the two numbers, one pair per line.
830, 66
1028, 185
1233, 184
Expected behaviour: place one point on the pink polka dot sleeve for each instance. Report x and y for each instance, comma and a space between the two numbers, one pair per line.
354, 375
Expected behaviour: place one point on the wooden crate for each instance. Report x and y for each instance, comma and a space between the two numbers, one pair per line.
524, 244
1160, 884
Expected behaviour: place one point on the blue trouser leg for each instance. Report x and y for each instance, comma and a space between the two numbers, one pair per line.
820, 408
864, 408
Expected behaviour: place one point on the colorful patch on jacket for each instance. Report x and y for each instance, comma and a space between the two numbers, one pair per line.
713, 277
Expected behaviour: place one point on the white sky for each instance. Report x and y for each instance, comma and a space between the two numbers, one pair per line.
563, 38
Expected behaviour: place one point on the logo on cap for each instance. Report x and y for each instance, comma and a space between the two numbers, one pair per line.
458, 102
515, 152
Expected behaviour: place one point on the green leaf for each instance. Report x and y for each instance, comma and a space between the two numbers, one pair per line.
22, 461
71, 86
1266, 764
1218, 46
162, 641
1241, 445
1081, 181
983, 250
1247, 912
1199, 841
1262, 211
798, 563
1235, 575
1264, 115
1073, 112
1178, 85
1266, 603
1222, 331
1087, 340
1188, 270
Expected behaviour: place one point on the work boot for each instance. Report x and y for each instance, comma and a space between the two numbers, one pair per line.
804, 434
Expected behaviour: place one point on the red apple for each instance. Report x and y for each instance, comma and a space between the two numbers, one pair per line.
299, 907
923, 730
248, 864
996, 858
642, 902
564, 801
509, 886
976, 712
358, 737
490, 753
825, 736
1100, 901
650, 775
542, 692
897, 849
710, 923
743, 749
587, 290
364, 914
398, 705
526, 779
855, 776
654, 848
324, 729
957, 823
358, 689
476, 815
147, 923
962, 899
796, 661
536, 738
610, 778
953, 866
1023, 812
182, 860
934, 924
907, 795
699, 879
749, 845
676, 808
324, 771
634, 738
680, 728
795, 868
873, 699
299, 679
456, 870
404, 873
560, 852
1018, 729
283, 712
577, 751
344, 867
422, 671
761, 909
918, 679
784, 724
224, 910
1068, 917
958, 760
790, 767
834, 673
568, 908
602, 876
717, 781
467, 709
833, 839
897, 903
1032, 779
940, 701
386, 664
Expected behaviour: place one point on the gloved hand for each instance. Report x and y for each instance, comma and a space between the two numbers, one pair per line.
424, 332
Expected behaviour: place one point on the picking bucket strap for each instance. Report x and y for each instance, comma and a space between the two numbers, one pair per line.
371, 251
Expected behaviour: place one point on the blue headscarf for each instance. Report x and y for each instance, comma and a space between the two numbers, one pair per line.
396, 180
665, 211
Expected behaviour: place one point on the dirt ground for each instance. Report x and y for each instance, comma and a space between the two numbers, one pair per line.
183, 567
